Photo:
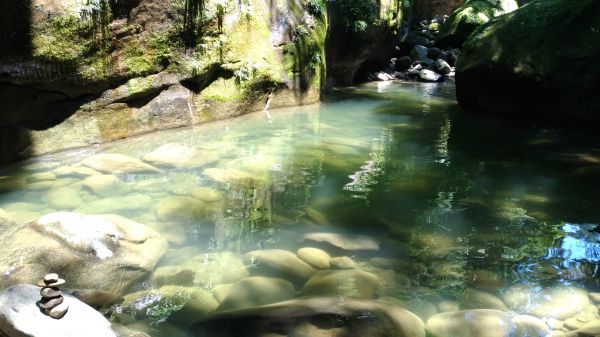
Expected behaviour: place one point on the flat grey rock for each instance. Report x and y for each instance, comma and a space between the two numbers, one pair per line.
21, 317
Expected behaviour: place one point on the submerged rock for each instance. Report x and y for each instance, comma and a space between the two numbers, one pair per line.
175, 303
315, 257
512, 65
179, 155
105, 252
173, 275
347, 242
103, 185
343, 283
278, 263
21, 317
217, 268
182, 209
559, 303
476, 299
114, 163
313, 316
470, 323
256, 291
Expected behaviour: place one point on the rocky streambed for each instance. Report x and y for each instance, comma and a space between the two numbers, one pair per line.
287, 226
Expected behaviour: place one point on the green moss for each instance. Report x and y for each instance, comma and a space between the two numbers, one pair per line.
62, 39
472, 14
223, 90
139, 85
304, 59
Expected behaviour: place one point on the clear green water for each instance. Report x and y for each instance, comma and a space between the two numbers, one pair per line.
452, 195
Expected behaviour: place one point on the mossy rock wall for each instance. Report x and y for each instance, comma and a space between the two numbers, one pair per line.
470, 15
540, 61
88, 75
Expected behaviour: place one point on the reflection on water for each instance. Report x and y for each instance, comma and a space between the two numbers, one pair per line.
454, 201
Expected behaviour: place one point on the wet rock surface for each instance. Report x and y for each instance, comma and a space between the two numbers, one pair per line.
104, 252
317, 315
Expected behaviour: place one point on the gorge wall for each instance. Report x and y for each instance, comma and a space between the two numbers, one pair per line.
81, 72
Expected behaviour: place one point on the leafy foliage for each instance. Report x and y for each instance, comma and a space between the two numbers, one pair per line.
357, 15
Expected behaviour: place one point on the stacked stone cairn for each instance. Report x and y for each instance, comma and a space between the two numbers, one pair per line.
52, 299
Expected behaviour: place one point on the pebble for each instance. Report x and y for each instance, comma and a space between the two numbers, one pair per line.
50, 278
51, 303
59, 311
50, 293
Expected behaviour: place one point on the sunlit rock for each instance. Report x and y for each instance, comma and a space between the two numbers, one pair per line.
470, 323
476, 299
594, 297
217, 268
529, 326
315, 257
448, 306
63, 198
180, 208
256, 291
20, 316
278, 263
206, 194
179, 155
353, 318
173, 275
342, 262
483, 279
589, 329
559, 302
344, 241
420, 307
103, 185
175, 303
114, 163
40, 185
3, 214
343, 283
221, 291
170, 154
41, 176
105, 252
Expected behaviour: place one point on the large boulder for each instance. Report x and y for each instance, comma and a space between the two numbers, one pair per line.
21, 317
278, 263
470, 323
470, 15
343, 283
256, 291
175, 303
559, 303
106, 252
314, 316
541, 60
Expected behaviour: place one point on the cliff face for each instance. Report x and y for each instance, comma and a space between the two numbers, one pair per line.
76, 73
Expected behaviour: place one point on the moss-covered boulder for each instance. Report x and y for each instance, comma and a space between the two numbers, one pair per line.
541, 60
470, 15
